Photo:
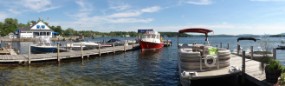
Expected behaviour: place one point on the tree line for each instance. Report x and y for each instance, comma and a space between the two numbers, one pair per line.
11, 25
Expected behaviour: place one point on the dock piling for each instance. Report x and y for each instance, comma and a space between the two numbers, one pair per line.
113, 47
274, 53
251, 50
29, 56
124, 47
228, 46
243, 67
70, 45
58, 59
81, 49
238, 49
99, 49
221, 45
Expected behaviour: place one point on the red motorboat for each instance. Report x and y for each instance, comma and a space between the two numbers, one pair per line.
150, 40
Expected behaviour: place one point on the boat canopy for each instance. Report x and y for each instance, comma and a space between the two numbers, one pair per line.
247, 38
196, 30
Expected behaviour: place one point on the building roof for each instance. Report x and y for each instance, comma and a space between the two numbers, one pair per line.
39, 26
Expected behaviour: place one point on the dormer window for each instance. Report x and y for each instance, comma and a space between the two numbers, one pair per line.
43, 26
38, 26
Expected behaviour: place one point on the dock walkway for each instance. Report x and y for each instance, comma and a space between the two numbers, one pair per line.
253, 70
28, 58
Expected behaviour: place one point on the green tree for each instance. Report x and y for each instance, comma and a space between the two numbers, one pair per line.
10, 25
2, 29
70, 32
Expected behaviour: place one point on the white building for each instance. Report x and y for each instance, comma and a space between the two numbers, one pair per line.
39, 29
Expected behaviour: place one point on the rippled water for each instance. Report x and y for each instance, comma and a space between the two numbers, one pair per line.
132, 68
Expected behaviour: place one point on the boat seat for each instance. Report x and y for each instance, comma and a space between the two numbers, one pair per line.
210, 55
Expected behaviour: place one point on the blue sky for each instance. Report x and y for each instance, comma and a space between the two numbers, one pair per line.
222, 16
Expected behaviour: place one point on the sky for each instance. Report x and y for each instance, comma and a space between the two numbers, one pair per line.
222, 16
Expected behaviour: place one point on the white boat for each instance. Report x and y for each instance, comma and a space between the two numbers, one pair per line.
202, 61
90, 45
75, 46
85, 45
131, 41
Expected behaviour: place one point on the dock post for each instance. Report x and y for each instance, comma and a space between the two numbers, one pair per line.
238, 49
251, 50
58, 59
81, 49
70, 45
99, 49
113, 47
221, 45
125, 48
29, 56
243, 67
66, 46
228, 46
274, 53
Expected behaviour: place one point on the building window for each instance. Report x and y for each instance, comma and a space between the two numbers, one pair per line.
38, 26
43, 26
48, 33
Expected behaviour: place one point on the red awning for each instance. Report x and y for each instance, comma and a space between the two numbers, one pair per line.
195, 30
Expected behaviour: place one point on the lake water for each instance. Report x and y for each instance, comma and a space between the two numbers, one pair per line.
133, 68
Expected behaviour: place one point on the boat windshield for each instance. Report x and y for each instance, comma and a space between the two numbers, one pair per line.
150, 36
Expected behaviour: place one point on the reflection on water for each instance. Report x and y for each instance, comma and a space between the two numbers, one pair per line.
150, 53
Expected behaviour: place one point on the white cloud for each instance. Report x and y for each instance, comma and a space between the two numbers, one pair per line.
151, 9
84, 6
84, 19
38, 5
14, 11
197, 2
119, 6
126, 14
131, 20
136, 13
2, 16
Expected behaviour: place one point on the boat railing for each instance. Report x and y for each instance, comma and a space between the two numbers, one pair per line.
210, 57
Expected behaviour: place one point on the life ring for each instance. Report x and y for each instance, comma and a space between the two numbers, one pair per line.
213, 63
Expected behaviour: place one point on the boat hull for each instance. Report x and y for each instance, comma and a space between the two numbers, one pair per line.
39, 49
150, 45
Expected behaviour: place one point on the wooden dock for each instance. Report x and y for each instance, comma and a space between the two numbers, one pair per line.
29, 58
253, 70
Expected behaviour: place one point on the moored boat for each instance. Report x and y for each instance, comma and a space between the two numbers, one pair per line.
43, 45
90, 45
257, 54
150, 39
202, 61
75, 46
